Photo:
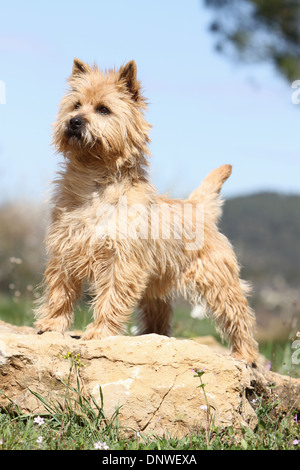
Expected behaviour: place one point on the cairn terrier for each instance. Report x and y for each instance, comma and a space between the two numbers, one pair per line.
111, 228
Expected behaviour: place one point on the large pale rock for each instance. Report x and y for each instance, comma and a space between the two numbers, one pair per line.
150, 377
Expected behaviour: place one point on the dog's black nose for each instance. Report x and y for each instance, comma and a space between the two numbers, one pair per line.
76, 123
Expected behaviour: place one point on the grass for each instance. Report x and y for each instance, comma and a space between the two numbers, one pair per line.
78, 424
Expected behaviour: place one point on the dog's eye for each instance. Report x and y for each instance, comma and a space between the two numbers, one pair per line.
77, 105
103, 110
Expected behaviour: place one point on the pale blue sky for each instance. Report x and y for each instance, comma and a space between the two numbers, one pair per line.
205, 110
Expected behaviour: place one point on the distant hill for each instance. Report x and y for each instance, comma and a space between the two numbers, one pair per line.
264, 228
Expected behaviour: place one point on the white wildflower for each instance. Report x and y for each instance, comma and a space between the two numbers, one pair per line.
101, 446
38, 420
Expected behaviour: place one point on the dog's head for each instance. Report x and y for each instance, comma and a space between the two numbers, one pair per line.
102, 115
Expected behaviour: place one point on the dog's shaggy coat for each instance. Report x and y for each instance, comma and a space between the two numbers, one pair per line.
125, 254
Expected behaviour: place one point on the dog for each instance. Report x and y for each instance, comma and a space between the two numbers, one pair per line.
110, 227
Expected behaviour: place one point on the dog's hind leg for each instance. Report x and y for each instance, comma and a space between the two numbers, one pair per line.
155, 316
216, 280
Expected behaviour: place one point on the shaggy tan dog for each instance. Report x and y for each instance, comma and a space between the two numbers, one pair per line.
111, 228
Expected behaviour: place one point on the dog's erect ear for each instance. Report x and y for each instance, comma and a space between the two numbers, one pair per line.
80, 67
127, 75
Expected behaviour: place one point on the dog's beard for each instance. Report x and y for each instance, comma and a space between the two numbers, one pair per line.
78, 142
82, 138
85, 147
87, 142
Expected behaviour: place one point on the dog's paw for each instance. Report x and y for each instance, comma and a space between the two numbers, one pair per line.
97, 333
40, 330
92, 335
59, 325
249, 359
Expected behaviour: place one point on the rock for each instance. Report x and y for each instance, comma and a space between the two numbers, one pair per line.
150, 377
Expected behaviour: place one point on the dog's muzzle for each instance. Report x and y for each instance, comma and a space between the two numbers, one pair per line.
76, 126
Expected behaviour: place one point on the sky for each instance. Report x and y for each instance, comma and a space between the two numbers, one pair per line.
205, 109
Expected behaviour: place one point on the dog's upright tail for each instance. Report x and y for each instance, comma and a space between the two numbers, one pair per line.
208, 192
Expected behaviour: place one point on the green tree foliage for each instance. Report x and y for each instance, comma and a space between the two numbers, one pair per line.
259, 31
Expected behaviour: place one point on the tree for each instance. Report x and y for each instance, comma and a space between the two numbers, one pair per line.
259, 30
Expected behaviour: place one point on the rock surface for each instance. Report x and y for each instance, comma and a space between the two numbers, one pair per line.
150, 377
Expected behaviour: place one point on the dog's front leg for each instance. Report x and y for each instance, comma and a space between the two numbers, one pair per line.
118, 288
61, 290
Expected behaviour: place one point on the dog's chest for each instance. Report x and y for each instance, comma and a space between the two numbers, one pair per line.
99, 220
